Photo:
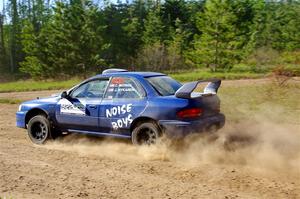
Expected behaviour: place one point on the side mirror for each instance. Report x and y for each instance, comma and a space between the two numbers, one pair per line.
64, 94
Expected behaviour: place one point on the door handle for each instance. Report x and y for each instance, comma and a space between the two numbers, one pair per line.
92, 106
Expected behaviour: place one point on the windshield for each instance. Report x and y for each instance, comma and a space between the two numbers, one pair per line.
164, 85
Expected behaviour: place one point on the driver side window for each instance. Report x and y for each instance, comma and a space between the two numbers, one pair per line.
91, 89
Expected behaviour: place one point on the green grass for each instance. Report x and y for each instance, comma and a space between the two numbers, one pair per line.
30, 85
261, 101
196, 75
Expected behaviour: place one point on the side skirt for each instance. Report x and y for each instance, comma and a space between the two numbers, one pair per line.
99, 133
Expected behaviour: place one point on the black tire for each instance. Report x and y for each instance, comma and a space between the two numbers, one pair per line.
38, 129
146, 133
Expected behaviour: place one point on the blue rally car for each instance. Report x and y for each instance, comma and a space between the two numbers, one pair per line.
141, 106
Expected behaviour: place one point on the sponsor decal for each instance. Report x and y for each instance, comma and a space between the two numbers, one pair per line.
66, 107
122, 110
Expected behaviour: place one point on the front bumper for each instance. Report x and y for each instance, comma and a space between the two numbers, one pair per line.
20, 119
179, 129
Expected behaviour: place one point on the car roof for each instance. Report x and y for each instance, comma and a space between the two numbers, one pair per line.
133, 74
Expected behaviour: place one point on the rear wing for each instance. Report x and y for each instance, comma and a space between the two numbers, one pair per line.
186, 91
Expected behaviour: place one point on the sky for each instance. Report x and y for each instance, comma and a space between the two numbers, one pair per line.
1, 5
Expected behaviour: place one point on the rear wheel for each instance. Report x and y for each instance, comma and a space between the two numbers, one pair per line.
38, 129
145, 134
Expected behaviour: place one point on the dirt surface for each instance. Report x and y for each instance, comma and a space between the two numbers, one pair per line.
247, 160
28, 95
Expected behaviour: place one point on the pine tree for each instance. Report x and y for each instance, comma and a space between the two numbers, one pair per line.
68, 44
287, 26
154, 28
75, 44
14, 40
133, 27
31, 64
279, 25
2, 45
218, 46
177, 46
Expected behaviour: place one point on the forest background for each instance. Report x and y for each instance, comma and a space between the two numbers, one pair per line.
59, 39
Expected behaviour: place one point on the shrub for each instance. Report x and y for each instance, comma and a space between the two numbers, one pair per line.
263, 56
159, 57
290, 57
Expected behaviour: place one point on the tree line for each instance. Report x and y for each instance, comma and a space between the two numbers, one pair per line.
47, 39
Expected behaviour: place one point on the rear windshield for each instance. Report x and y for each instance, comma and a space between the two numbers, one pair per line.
164, 85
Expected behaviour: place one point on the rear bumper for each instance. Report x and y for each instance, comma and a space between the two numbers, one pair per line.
179, 129
20, 119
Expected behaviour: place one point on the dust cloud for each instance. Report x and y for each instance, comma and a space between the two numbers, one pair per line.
253, 144
257, 143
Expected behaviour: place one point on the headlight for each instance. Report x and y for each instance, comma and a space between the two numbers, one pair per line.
20, 107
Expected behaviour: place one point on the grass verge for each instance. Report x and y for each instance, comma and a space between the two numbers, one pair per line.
10, 101
261, 102
30, 85
196, 75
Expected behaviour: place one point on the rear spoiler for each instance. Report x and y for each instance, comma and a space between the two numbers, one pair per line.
186, 91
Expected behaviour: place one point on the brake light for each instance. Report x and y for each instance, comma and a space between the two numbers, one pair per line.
190, 113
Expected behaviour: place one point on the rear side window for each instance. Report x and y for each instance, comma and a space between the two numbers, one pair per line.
124, 88
164, 85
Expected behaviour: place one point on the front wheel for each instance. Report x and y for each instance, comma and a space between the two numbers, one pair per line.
145, 134
38, 129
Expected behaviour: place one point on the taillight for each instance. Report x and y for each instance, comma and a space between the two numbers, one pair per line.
190, 113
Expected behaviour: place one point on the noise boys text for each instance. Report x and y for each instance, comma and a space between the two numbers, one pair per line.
121, 110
